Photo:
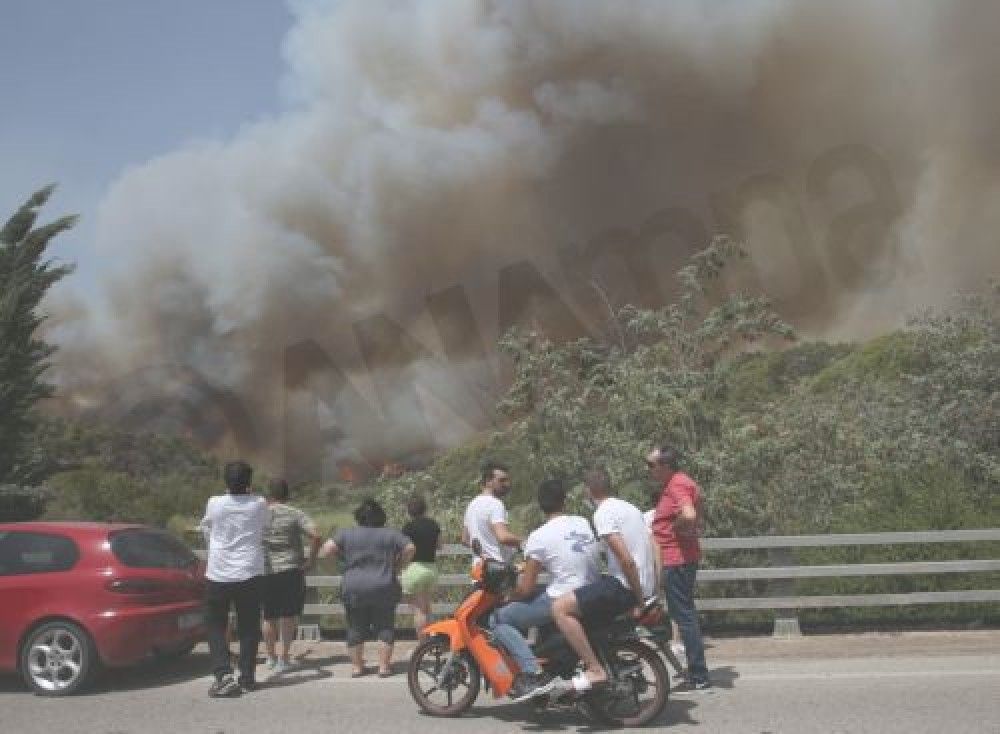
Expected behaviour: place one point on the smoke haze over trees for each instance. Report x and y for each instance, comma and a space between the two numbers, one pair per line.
899, 433
446, 170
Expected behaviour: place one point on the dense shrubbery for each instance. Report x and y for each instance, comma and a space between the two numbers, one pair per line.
900, 433
108, 475
18, 504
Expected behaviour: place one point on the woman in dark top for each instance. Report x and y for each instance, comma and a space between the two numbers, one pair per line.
420, 577
372, 555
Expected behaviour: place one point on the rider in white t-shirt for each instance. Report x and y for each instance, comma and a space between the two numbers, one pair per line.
563, 547
615, 515
631, 578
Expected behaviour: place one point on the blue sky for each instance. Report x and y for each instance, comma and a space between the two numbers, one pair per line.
90, 87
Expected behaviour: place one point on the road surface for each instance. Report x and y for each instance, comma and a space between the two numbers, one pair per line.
940, 683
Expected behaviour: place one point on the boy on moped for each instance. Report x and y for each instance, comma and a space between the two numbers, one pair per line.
565, 548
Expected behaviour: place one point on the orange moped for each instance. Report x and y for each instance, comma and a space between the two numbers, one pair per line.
448, 667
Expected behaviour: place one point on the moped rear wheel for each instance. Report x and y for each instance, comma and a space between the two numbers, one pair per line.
440, 688
638, 691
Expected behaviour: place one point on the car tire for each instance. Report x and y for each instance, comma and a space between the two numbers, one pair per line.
58, 658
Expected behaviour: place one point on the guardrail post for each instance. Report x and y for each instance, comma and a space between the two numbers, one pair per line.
309, 633
786, 623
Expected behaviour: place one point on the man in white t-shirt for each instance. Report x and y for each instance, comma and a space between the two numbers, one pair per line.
563, 547
234, 525
630, 580
486, 516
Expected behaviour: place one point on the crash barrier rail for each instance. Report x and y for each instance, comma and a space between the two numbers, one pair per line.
784, 574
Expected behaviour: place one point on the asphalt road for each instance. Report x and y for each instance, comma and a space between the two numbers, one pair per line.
945, 683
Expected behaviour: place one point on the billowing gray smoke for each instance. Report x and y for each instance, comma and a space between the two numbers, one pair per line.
330, 283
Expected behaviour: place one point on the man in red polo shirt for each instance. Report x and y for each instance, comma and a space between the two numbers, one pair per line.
676, 527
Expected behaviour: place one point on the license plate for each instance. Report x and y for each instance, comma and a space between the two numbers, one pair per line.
189, 620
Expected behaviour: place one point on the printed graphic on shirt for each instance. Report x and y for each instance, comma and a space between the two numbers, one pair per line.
566, 548
580, 542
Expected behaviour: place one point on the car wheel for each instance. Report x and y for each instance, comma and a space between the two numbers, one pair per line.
58, 658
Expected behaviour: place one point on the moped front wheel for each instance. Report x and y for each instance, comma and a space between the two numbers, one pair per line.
442, 684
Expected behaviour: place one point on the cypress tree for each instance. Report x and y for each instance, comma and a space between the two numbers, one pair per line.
26, 275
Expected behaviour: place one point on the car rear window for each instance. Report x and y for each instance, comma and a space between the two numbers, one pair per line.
23, 552
147, 548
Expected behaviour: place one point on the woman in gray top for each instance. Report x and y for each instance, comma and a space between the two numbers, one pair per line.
373, 556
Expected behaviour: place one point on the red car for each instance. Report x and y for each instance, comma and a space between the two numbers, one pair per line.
77, 596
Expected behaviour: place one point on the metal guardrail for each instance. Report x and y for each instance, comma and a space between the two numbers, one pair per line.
812, 541
787, 572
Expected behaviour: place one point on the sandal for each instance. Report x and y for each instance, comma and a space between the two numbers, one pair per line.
384, 673
358, 673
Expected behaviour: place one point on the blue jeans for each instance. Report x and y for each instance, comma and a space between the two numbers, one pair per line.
678, 581
509, 624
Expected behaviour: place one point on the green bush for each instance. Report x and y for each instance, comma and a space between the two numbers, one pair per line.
900, 433
108, 475
18, 504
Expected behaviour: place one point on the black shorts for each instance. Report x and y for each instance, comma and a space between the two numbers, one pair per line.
284, 594
603, 600
370, 621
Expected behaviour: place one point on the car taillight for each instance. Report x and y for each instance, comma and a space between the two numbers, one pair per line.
135, 586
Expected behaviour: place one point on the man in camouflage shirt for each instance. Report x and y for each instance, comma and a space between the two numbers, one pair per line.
285, 584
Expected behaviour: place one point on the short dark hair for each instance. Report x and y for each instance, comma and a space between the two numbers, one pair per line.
277, 489
551, 495
597, 477
668, 456
237, 475
416, 506
489, 468
370, 514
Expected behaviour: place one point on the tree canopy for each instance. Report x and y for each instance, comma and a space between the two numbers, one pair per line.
26, 275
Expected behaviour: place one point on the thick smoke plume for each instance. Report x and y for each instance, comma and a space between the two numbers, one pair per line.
444, 163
